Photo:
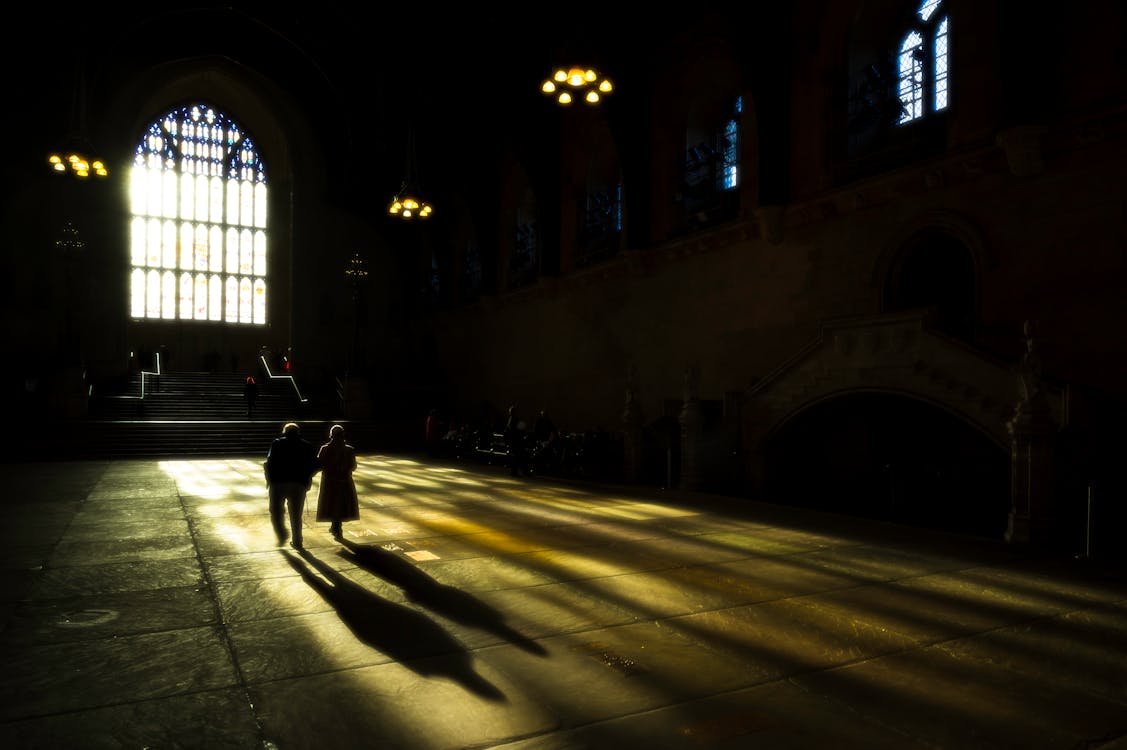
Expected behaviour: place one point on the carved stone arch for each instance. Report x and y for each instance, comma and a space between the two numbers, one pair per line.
935, 262
939, 221
950, 406
258, 105
893, 455
283, 137
894, 353
900, 353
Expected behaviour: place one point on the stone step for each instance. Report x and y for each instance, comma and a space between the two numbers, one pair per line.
123, 439
189, 413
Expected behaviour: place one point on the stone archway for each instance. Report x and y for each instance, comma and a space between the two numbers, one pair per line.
935, 271
900, 353
892, 457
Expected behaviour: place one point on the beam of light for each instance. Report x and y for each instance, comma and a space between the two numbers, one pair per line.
216, 479
780, 600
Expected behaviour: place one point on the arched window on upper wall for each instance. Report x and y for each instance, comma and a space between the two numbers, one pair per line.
936, 272
600, 234
600, 214
434, 281
465, 274
922, 64
712, 166
198, 199
471, 271
524, 265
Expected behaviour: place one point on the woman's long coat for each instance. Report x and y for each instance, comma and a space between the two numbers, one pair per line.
336, 499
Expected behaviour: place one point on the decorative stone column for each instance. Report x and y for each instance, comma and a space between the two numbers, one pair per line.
1032, 435
692, 427
633, 436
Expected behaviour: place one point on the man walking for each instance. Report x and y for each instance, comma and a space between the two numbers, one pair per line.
290, 466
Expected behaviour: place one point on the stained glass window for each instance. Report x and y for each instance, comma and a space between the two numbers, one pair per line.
471, 272
524, 265
729, 142
199, 240
712, 166
922, 63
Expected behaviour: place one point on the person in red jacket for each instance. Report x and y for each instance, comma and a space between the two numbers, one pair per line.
250, 393
432, 432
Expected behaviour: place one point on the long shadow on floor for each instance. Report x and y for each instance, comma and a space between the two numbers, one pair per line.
441, 599
408, 637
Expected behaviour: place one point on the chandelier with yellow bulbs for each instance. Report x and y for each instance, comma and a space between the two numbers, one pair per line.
568, 83
77, 164
406, 206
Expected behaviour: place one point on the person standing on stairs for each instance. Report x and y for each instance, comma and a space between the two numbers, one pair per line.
250, 394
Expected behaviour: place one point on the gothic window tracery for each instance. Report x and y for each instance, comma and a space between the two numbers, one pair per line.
922, 62
198, 198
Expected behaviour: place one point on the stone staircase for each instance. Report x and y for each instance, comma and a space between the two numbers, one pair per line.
198, 414
187, 396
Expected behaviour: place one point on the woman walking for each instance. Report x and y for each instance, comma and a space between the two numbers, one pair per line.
336, 498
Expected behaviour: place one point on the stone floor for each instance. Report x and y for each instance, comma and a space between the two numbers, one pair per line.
146, 604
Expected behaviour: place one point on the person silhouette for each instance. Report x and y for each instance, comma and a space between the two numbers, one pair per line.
514, 442
336, 498
250, 394
290, 465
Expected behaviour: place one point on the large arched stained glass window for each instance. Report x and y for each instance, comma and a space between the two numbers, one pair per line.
198, 198
922, 60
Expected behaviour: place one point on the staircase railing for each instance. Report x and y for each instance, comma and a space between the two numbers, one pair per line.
149, 372
272, 376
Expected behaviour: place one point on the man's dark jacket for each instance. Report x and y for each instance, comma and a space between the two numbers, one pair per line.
291, 459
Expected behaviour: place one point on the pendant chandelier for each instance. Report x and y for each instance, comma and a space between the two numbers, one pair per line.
566, 84
407, 203
77, 157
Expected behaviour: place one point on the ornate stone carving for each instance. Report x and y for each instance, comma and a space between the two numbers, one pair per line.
1023, 149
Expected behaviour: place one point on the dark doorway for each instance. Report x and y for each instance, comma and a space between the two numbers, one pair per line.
935, 271
892, 458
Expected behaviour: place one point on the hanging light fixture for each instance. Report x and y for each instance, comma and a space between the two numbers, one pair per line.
357, 269
407, 203
78, 158
74, 160
69, 240
568, 83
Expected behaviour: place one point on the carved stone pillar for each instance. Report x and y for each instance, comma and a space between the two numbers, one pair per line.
692, 428
1032, 434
